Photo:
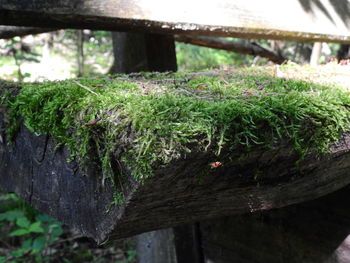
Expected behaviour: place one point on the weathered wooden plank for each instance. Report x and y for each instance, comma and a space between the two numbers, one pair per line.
188, 188
322, 20
32, 169
173, 196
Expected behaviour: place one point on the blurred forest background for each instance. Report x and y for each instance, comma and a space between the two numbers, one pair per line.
29, 236
70, 53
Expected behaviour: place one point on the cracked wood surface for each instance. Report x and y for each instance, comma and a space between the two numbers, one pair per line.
310, 20
32, 169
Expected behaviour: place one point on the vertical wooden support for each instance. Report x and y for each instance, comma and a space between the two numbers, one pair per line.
135, 52
311, 232
188, 243
174, 245
156, 247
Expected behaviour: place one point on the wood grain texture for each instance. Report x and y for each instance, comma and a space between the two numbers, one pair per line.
302, 20
175, 195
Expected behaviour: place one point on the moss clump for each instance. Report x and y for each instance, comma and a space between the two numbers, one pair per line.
148, 123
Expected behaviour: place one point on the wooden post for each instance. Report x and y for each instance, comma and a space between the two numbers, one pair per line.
135, 52
173, 245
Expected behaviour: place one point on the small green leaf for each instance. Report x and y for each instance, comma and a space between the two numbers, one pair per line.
56, 230
11, 215
36, 228
27, 244
9, 197
23, 222
43, 218
19, 232
39, 244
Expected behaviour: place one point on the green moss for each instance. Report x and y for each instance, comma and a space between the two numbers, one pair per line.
147, 123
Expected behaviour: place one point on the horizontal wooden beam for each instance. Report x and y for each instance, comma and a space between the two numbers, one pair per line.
7, 32
33, 170
197, 184
301, 20
188, 189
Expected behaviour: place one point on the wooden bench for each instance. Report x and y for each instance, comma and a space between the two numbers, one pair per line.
44, 178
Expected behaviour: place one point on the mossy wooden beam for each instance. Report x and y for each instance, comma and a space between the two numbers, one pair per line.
152, 151
45, 180
299, 20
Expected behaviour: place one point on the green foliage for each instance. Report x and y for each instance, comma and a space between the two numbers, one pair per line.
194, 58
27, 234
149, 122
30, 236
20, 55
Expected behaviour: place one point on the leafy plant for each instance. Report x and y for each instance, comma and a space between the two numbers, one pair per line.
30, 236
194, 58
27, 234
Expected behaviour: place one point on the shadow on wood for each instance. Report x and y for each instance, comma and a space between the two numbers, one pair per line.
312, 232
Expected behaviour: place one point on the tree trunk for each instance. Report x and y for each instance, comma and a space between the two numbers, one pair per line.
343, 52
316, 53
80, 52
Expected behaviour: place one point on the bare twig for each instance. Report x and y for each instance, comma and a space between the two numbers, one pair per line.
84, 87
244, 95
248, 49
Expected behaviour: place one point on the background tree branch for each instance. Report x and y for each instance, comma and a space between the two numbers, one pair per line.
253, 49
